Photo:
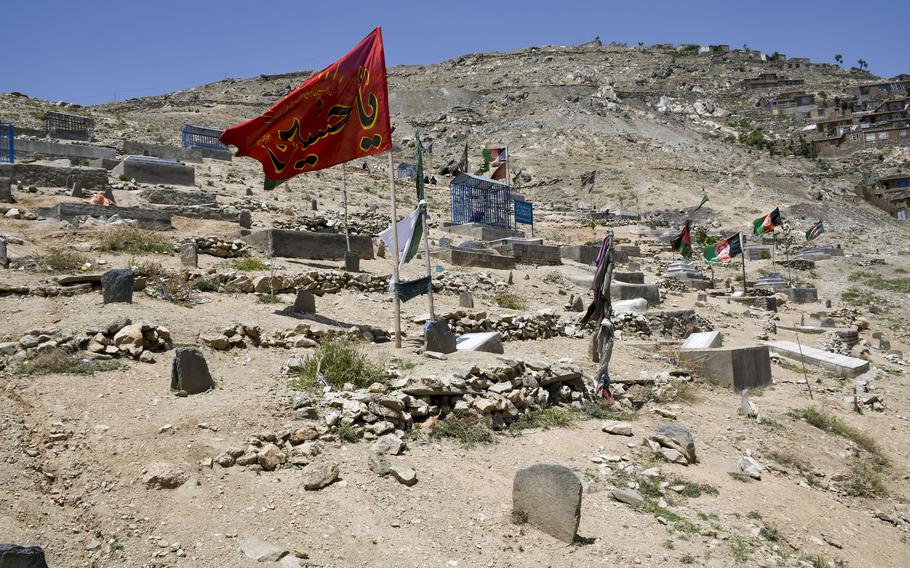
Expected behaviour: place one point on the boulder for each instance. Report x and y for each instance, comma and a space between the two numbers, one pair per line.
550, 497
15, 556
676, 437
163, 475
319, 475
751, 467
628, 496
270, 457
388, 444
404, 475
189, 372
617, 428
439, 337
117, 286
262, 551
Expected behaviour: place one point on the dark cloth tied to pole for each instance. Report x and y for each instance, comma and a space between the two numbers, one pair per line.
601, 305
410, 289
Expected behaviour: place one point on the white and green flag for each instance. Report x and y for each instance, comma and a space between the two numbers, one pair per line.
410, 231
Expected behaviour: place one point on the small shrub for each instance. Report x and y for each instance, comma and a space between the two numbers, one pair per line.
347, 432
133, 240
865, 480
764, 255
769, 533
268, 299
509, 301
468, 430
519, 518
205, 285
551, 417
123, 177
739, 476
58, 361
740, 547
248, 264
603, 411
692, 489
58, 259
687, 559
336, 363
404, 364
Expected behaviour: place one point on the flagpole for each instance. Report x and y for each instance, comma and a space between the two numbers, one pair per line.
773, 247
426, 251
742, 254
394, 251
344, 185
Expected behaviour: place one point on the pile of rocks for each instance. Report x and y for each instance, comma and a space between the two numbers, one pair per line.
319, 283
234, 335
629, 322
499, 395
331, 221
305, 335
217, 247
677, 324
119, 338
797, 264
542, 325
122, 337
672, 285
458, 282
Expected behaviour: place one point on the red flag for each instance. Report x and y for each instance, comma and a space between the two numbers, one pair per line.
499, 173
337, 115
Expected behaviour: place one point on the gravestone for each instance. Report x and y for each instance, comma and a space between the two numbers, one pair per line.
351, 261
313, 204
15, 556
884, 344
577, 304
189, 255
76, 191
305, 303
486, 342
703, 340
549, 496
246, 219
117, 286
511, 280
827, 303
189, 372
4, 258
736, 367
439, 337
466, 300
6, 192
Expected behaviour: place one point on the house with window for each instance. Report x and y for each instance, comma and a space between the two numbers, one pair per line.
770, 81
788, 103
881, 90
890, 193
888, 112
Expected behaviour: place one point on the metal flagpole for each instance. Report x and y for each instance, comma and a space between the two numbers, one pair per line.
803, 361
344, 185
395, 252
426, 251
773, 247
742, 253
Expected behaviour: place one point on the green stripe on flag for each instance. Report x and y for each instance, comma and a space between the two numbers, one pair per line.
711, 254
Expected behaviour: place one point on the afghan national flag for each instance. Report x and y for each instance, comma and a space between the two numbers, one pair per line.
498, 155
683, 242
704, 200
410, 231
728, 248
710, 252
499, 173
485, 153
587, 179
337, 115
767, 223
815, 231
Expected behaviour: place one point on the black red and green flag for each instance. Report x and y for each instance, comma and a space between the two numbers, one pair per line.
337, 115
683, 242
767, 223
815, 231
724, 249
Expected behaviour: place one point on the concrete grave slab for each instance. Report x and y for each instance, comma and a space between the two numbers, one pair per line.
486, 342
801, 295
146, 218
839, 364
478, 258
305, 244
549, 496
623, 291
704, 340
634, 306
146, 169
584, 254
736, 367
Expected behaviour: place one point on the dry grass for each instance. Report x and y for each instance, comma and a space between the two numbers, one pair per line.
133, 240
58, 259
58, 361
336, 363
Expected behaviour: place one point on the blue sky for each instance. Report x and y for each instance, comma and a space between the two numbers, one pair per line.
92, 51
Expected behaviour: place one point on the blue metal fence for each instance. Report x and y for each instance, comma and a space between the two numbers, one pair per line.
7, 143
202, 137
480, 200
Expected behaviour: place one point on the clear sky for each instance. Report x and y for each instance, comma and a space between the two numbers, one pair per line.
92, 51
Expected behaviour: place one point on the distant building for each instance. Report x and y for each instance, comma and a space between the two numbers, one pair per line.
770, 81
882, 90
788, 103
889, 193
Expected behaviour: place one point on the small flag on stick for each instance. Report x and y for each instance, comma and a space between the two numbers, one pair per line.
683, 242
704, 199
767, 223
815, 231
587, 180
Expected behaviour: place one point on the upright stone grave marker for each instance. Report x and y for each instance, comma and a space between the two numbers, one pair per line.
549, 496
117, 286
189, 372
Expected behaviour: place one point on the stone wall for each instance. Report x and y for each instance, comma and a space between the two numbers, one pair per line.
47, 175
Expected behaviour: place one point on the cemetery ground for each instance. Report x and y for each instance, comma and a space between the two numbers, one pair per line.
103, 464
79, 450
